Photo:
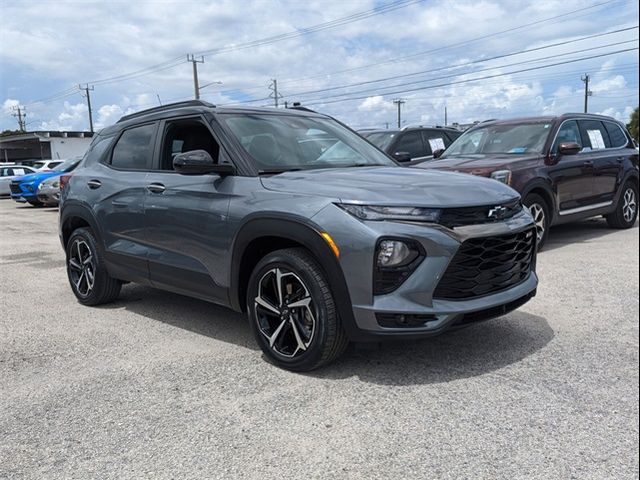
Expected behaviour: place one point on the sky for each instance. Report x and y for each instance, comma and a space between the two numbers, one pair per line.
349, 59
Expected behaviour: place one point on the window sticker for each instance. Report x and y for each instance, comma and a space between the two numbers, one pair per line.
595, 137
436, 144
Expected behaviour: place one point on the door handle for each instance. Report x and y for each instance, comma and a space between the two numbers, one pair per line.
156, 187
93, 184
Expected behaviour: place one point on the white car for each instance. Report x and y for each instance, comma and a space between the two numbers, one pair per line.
46, 164
8, 173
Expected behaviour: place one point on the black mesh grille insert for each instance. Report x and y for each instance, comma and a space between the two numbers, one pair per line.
457, 217
488, 265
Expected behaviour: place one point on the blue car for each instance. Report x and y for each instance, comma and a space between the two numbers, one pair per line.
25, 189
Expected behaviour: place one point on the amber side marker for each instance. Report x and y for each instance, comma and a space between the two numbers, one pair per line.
331, 243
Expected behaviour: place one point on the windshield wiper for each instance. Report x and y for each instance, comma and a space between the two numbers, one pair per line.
275, 171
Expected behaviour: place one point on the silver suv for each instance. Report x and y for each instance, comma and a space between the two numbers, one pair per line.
295, 219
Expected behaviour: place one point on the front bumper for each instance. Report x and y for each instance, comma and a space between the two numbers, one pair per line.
415, 296
49, 196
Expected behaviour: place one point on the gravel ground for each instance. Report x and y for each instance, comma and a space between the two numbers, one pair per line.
162, 386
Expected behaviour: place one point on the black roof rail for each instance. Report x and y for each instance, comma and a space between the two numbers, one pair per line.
301, 108
168, 106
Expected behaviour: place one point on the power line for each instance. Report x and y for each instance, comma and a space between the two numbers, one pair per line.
399, 92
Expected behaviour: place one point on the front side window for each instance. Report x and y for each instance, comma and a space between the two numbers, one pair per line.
67, 165
411, 142
511, 138
434, 140
182, 136
279, 143
568, 133
134, 148
380, 139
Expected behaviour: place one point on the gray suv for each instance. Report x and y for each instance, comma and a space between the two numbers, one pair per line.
292, 217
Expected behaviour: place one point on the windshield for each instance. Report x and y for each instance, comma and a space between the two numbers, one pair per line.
67, 165
279, 143
514, 139
380, 139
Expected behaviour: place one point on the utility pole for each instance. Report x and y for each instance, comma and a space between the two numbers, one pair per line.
445, 115
273, 86
386, 125
21, 116
195, 61
86, 94
587, 92
399, 102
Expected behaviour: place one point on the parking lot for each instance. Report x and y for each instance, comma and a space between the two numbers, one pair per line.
161, 386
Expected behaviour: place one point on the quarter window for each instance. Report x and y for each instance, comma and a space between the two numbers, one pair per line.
411, 142
134, 149
616, 135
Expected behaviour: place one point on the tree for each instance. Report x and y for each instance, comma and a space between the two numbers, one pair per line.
632, 126
6, 133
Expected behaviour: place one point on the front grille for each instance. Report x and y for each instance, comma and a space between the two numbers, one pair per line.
458, 217
15, 187
488, 265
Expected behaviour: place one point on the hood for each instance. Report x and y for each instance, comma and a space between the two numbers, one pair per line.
479, 164
37, 177
393, 186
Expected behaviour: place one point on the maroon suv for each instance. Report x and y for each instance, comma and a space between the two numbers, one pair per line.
566, 168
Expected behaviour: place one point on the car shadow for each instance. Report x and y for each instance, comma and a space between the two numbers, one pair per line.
578, 232
473, 351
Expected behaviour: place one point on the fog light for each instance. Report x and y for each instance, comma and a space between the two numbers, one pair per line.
392, 253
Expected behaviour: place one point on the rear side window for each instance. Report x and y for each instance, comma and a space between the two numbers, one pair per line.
594, 134
134, 149
616, 135
411, 142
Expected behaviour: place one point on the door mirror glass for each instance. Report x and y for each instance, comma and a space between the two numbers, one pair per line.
438, 153
198, 162
402, 157
569, 148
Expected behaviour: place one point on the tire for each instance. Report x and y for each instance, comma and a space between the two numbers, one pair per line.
626, 212
541, 215
84, 261
302, 337
35, 203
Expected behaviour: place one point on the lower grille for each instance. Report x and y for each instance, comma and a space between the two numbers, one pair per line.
487, 265
15, 188
493, 312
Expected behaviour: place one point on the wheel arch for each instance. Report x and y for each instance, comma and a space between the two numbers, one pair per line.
260, 236
542, 188
75, 216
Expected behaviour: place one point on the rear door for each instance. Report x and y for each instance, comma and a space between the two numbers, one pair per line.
186, 215
116, 189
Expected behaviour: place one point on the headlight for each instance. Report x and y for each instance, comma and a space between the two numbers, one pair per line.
374, 212
392, 253
503, 176
56, 184
395, 261
40, 186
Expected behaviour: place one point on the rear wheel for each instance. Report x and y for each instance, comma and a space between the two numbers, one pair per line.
292, 312
87, 272
626, 211
540, 213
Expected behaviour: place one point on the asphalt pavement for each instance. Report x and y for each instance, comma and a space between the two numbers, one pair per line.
161, 386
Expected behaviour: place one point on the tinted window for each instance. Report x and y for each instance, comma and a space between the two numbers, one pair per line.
616, 135
594, 135
434, 140
134, 148
380, 139
184, 136
568, 132
98, 148
410, 142
512, 138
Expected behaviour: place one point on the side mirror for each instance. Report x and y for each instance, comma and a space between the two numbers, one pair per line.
438, 153
569, 148
402, 157
199, 162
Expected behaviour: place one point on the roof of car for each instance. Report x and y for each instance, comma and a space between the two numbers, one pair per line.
406, 129
198, 106
545, 118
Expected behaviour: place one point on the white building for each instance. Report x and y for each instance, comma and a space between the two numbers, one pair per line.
43, 145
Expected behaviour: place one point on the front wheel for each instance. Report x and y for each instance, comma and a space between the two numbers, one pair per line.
292, 312
540, 213
626, 211
35, 203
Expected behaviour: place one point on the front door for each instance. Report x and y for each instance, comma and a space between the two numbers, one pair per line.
571, 175
186, 215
